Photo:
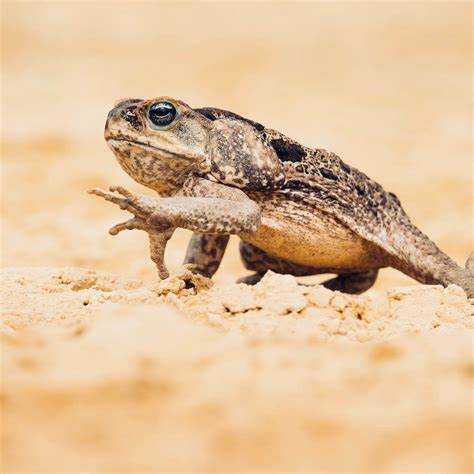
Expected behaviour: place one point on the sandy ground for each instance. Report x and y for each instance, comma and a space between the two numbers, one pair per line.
106, 369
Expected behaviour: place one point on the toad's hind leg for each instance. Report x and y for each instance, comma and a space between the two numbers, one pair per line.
353, 283
205, 252
259, 261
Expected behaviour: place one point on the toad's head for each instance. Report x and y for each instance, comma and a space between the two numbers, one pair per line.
158, 142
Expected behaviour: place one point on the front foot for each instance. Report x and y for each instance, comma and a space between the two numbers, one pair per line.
141, 207
159, 233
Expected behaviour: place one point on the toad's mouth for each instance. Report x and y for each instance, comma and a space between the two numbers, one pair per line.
118, 145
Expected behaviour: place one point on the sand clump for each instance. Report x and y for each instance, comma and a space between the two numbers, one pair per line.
106, 373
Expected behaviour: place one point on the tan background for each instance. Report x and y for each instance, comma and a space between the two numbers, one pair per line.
386, 86
101, 374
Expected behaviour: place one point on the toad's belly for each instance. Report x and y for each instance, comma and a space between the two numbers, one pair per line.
310, 237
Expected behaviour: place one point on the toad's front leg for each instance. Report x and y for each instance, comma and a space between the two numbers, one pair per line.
159, 217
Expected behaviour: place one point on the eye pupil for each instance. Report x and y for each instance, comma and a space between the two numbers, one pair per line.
162, 113
162, 110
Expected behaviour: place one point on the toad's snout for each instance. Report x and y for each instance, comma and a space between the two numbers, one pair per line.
125, 112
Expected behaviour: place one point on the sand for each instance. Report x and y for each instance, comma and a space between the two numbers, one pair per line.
107, 369
104, 373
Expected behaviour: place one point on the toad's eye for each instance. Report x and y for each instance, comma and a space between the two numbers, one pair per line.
162, 114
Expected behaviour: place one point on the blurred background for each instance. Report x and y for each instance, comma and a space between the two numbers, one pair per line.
97, 381
387, 86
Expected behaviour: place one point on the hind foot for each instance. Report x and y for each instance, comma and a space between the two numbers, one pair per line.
259, 261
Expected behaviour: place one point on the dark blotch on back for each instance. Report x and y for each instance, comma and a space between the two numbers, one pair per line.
287, 151
328, 174
214, 114
295, 184
344, 167
360, 188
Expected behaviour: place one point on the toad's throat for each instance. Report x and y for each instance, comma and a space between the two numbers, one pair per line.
161, 170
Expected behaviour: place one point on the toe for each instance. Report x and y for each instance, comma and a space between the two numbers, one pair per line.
131, 224
124, 192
